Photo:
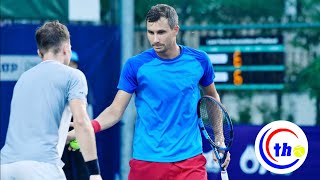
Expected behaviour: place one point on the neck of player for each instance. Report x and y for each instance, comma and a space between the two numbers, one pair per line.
171, 53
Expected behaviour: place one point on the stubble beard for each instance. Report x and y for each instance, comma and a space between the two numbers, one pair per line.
160, 50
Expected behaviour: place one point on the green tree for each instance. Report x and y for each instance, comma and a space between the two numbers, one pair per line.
309, 79
309, 11
185, 8
244, 100
217, 11
269, 113
246, 11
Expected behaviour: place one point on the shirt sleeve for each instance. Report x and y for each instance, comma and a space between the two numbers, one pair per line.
78, 88
208, 75
128, 78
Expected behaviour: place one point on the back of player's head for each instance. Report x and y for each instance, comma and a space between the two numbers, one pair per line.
163, 10
50, 36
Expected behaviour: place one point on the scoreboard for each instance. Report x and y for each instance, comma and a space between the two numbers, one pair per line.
243, 63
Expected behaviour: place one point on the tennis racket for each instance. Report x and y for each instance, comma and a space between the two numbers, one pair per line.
216, 126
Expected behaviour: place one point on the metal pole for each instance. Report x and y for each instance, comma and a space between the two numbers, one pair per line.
128, 119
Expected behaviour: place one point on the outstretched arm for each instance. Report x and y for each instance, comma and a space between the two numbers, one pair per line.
112, 114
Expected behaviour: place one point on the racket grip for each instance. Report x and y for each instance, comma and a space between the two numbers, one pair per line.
224, 175
223, 158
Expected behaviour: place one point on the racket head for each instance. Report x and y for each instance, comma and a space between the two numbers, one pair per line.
215, 123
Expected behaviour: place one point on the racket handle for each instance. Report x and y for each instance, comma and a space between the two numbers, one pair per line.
224, 175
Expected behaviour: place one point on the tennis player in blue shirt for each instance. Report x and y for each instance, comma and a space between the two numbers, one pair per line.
165, 79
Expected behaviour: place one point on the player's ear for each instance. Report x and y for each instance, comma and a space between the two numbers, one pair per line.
66, 48
39, 53
176, 28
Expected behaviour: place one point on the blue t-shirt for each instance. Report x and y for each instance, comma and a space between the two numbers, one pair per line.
167, 93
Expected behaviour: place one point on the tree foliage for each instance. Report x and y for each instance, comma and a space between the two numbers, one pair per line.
309, 11
309, 78
217, 11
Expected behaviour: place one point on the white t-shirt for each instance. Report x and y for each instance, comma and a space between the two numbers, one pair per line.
40, 99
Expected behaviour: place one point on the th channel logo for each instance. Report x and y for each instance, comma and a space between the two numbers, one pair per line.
281, 147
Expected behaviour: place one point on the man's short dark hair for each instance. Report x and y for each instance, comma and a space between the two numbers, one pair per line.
163, 10
50, 36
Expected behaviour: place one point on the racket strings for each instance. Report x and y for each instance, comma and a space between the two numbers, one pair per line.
215, 122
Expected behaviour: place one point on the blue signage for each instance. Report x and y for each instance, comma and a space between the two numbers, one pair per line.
245, 165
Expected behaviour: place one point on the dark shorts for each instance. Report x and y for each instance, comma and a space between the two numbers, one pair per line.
189, 169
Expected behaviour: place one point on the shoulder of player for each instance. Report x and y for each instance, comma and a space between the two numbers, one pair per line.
142, 57
193, 52
198, 55
75, 73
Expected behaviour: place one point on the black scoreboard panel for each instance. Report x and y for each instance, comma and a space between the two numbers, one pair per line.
239, 77
246, 62
255, 58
